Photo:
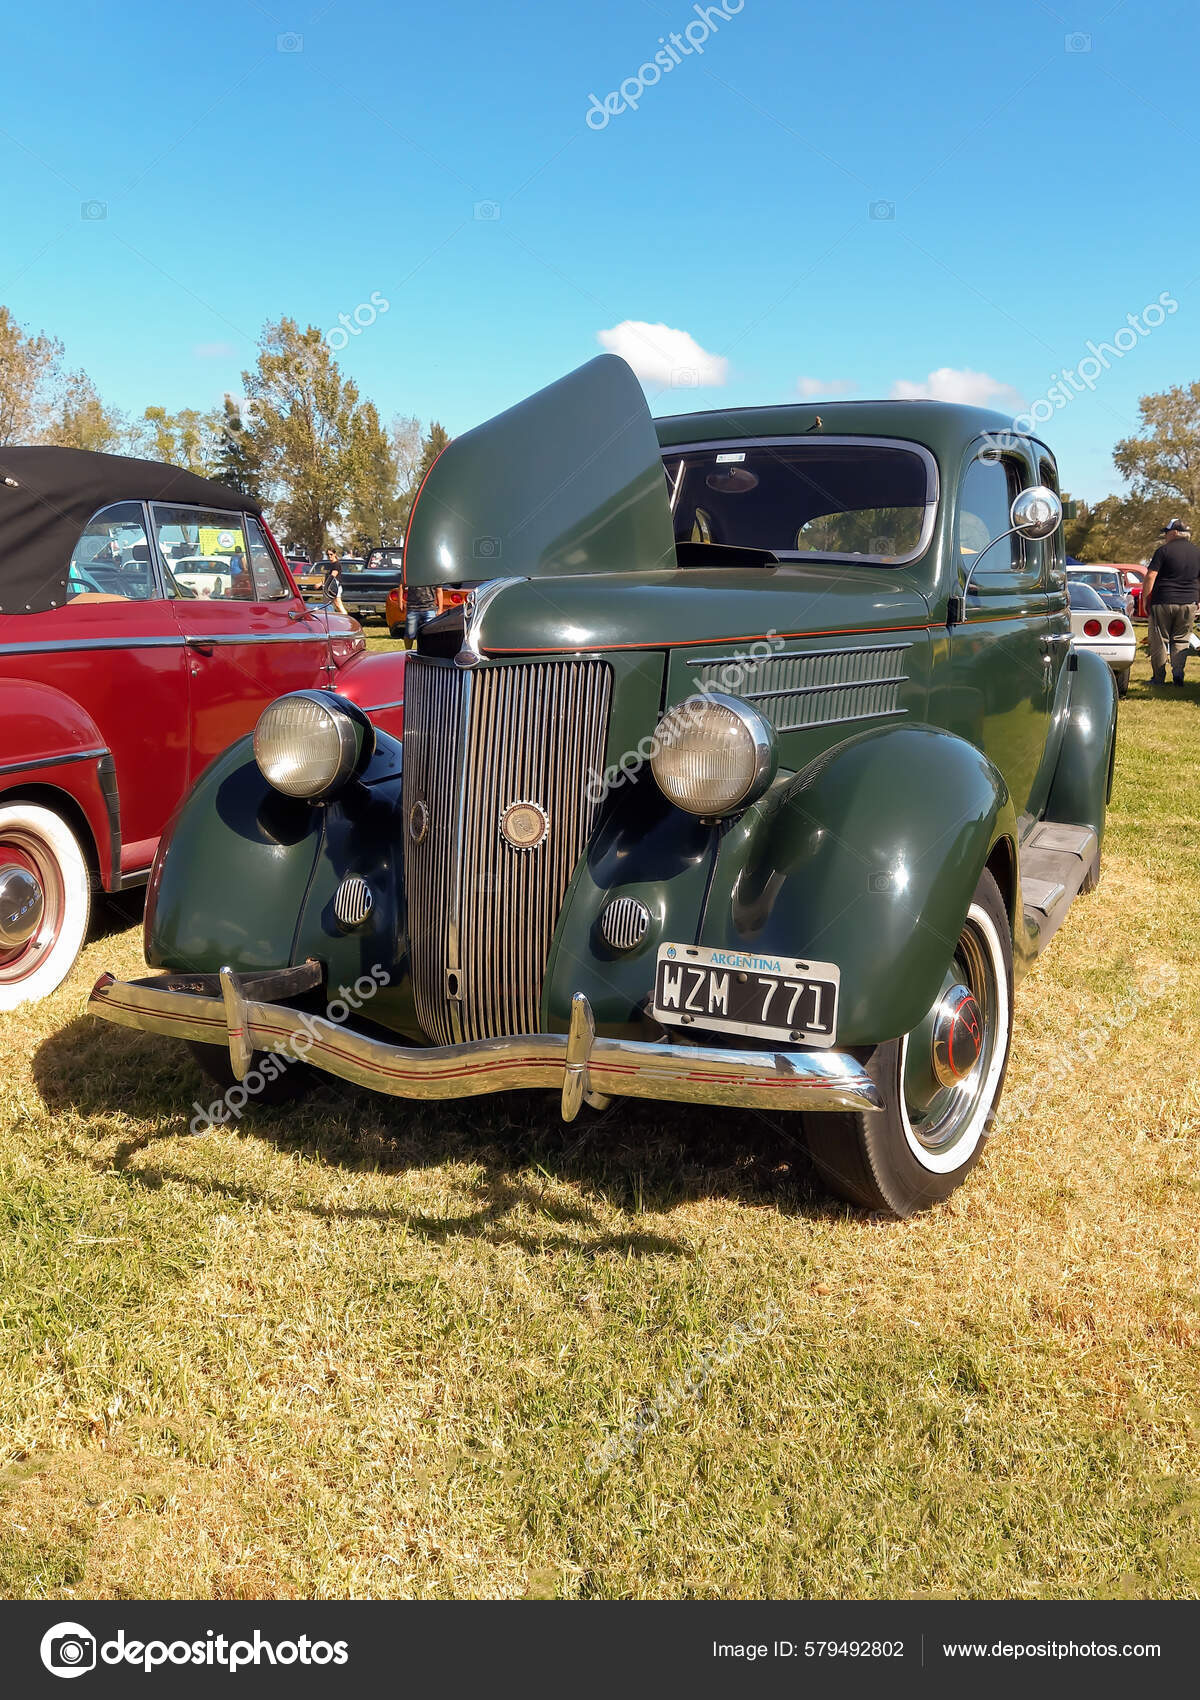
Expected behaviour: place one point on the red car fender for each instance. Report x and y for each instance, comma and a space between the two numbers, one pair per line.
64, 760
376, 684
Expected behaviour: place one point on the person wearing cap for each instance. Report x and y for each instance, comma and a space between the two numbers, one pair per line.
1170, 595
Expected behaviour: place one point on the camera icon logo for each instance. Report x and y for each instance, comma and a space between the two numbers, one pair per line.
1078, 42
68, 1649
289, 42
882, 209
487, 211
685, 378
93, 210
486, 549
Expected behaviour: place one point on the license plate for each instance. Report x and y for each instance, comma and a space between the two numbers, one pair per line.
728, 991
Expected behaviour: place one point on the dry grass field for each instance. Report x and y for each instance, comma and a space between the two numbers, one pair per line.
357, 1349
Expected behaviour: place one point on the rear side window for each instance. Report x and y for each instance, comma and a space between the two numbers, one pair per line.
112, 557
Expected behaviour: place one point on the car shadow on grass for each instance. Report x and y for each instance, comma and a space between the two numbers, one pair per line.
634, 1156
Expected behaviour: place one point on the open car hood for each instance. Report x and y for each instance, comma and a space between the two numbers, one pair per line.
569, 481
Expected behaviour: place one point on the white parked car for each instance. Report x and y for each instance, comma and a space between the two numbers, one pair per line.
1095, 626
207, 575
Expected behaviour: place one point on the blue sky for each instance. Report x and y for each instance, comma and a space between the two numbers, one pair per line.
1034, 171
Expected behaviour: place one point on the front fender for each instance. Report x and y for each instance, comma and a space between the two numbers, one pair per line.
245, 878
1082, 782
868, 859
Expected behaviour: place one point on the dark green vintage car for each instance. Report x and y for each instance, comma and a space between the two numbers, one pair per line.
755, 768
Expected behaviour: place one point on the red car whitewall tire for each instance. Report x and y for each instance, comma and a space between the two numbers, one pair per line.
40, 842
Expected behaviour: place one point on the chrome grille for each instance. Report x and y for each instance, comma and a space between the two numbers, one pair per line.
819, 687
433, 748
482, 910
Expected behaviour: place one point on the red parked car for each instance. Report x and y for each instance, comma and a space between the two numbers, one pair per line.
119, 683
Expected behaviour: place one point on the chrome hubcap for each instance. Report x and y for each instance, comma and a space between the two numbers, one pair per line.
957, 1035
22, 905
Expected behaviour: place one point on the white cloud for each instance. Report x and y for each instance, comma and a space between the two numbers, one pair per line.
823, 386
660, 355
952, 383
214, 351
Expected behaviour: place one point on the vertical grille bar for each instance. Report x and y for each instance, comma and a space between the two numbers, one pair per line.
433, 752
480, 907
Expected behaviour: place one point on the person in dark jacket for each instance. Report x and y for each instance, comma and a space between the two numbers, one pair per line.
1171, 593
420, 605
332, 590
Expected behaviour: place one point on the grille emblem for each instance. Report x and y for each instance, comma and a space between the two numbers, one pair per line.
418, 821
524, 825
353, 902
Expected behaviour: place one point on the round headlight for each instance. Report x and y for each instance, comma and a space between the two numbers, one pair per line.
713, 754
309, 743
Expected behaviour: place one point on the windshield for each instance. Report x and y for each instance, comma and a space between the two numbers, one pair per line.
854, 501
1080, 594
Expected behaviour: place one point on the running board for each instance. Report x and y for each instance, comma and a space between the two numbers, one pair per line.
1055, 861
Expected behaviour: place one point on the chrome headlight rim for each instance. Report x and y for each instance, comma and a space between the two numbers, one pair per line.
355, 738
764, 745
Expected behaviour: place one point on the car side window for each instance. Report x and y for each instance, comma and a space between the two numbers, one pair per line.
111, 561
1054, 549
204, 552
985, 500
269, 583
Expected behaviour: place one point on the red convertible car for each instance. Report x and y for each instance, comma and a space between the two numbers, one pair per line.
119, 683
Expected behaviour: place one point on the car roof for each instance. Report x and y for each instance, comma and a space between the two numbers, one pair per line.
48, 495
938, 425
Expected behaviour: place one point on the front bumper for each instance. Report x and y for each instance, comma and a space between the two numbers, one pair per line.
223, 1010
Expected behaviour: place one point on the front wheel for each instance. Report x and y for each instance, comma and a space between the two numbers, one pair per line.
396, 632
940, 1083
45, 902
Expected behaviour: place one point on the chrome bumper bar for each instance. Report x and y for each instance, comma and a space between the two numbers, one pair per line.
577, 1064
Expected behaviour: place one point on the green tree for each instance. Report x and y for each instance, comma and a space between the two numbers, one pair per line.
188, 438
434, 442
237, 461
1162, 462
29, 367
301, 426
80, 419
374, 498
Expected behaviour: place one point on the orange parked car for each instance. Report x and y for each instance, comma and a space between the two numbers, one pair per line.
395, 607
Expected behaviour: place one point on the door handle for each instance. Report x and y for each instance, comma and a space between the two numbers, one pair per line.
202, 646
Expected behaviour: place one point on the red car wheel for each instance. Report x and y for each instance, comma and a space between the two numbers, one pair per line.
45, 902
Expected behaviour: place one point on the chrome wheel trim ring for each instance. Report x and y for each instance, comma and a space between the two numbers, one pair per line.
30, 849
945, 1142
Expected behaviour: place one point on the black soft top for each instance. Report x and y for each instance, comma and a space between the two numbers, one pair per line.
47, 497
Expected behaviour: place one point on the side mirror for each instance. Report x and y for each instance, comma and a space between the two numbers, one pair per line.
1036, 512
